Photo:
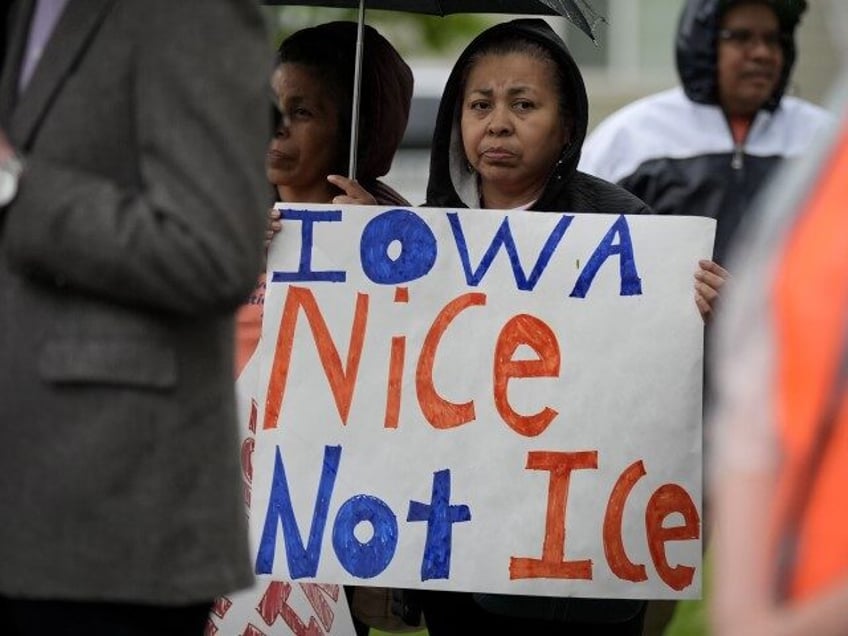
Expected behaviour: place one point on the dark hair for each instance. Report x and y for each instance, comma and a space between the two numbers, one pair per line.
513, 43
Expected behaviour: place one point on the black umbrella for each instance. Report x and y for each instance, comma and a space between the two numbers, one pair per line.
578, 12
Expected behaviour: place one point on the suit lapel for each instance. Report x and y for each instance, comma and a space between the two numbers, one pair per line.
69, 41
17, 30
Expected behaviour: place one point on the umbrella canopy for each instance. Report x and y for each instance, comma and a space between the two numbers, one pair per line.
578, 12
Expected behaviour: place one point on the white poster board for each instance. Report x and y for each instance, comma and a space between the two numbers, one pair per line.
481, 400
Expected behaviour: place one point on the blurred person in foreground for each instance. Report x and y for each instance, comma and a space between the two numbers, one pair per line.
305, 161
132, 204
781, 418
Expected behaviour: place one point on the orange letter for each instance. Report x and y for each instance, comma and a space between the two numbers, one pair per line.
620, 565
438, 411
525, 329
341, 381
666, 500
395, 382
552, 563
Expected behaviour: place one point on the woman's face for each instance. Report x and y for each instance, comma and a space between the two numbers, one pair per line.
512, 130
305, 148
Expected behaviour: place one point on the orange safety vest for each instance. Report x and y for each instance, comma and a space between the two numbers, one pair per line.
810, 296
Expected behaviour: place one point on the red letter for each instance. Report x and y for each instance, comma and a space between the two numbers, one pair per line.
341, 381
552, 563
525, 330
620, 565
438, 411
666, 500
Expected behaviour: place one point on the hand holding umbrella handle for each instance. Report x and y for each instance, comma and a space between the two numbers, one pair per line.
354, 193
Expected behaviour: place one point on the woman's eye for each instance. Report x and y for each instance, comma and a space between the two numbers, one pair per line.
523, 105
479, 105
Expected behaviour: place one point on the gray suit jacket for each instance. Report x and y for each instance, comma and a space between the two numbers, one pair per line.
136, 233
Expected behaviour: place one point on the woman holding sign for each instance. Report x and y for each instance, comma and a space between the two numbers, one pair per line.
313, 82
508, 135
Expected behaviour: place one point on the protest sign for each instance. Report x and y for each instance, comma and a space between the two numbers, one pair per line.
495, 401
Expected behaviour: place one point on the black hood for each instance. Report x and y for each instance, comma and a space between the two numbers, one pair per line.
447, 173
696, 45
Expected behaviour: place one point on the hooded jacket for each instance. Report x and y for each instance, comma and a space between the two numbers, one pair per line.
675, 149
567, 190
452, 185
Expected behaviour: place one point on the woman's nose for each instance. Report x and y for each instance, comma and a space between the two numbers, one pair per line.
499, 121
283, 125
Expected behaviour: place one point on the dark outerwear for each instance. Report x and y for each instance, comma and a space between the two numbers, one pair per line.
566, 191
136, 232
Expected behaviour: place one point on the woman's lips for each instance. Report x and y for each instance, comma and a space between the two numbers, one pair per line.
276, 158
497, 154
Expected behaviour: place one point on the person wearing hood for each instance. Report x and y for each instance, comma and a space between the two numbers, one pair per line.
706, 147
313, 86
314, 82
508, 135
521, 149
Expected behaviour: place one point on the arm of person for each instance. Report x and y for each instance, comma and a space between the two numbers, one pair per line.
181, 230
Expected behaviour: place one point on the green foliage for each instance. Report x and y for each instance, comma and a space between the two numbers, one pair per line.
413, 34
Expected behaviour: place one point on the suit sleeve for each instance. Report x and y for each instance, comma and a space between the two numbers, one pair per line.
188, 237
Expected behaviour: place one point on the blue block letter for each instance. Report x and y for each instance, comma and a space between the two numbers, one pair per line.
304, 272
301, 561
440, 517
503, 238
631, 284
365, 560
417, 248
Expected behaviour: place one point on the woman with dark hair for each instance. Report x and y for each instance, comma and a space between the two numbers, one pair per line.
314, 81
307, 157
